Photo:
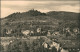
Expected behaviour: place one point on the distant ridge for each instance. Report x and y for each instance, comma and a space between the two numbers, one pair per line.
53, 14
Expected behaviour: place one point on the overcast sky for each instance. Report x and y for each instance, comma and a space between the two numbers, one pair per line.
9, 7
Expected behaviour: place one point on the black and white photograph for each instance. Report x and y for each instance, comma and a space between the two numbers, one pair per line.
40, 26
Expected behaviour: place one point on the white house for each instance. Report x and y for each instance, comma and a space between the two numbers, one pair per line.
38, 30
45, 45
25, 32
76, 30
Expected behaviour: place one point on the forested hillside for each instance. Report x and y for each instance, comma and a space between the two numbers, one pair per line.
34, 19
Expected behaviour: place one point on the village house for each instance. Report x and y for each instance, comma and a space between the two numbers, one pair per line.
48, 33
8, 31
38, 30
32, 32
64, 50
44, 33
56, 33
56, 45
45, 45
25, 32
51, 44
76, 30
67, 29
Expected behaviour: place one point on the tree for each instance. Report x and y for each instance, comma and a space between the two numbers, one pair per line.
4, 32
18, 46
1, 48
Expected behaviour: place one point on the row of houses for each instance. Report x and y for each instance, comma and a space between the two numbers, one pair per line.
39, 31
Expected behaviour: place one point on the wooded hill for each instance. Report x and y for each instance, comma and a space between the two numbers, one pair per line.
34, 18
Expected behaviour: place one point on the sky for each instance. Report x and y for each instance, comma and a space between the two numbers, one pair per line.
9, 7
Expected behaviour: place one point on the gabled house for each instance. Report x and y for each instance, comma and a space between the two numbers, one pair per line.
25, 32
51, 44
45, 45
